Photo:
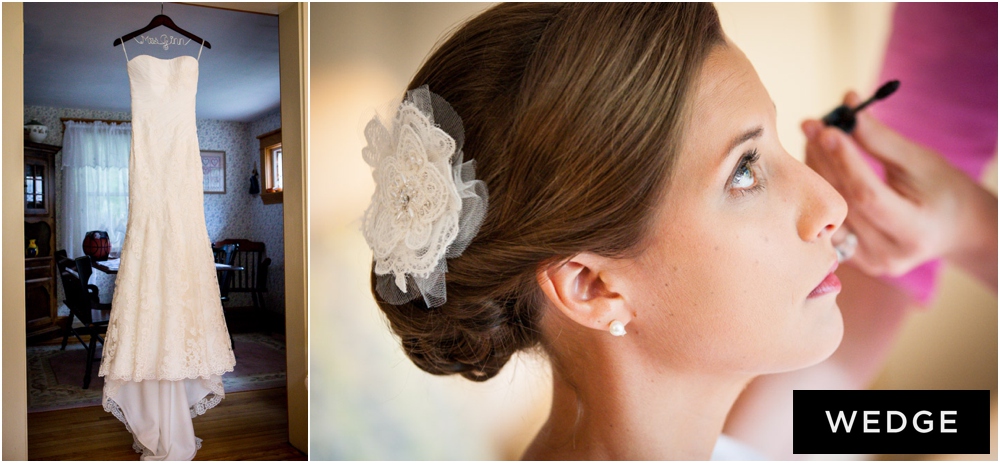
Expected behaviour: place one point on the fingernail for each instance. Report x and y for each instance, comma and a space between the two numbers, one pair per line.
852, 98
829, 141
810, 130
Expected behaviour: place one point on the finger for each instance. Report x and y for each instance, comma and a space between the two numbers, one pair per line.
836, 153
885, 144
840, 235
897, 162
811, 128
863, 190
852, 99
817, 160
884, 252
816, 155
880, 207
870, 255
832, 155
862, 261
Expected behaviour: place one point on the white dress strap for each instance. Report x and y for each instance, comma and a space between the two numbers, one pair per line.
123, 49
200, 49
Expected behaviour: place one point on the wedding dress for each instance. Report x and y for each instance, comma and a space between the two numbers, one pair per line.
167, 344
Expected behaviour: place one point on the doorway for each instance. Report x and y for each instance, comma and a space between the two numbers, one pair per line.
223, 226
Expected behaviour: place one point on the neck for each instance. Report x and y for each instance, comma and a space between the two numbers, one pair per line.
643, 413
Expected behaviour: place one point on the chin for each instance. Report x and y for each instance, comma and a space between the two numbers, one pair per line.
824, 338
815, 343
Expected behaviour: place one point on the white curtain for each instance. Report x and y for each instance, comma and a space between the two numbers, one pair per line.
95, 182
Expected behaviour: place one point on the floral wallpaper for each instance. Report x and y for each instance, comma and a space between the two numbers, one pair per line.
238, 214
235, 214
268, 224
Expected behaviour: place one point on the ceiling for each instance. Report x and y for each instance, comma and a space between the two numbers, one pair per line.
273, 8
69, 61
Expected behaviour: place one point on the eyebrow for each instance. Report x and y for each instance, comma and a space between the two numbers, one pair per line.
742, 138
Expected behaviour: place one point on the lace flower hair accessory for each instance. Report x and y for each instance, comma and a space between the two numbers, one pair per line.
427, 204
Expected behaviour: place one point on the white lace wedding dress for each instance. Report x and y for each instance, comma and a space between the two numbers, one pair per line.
167, 345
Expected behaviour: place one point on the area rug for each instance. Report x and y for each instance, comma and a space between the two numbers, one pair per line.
55, 377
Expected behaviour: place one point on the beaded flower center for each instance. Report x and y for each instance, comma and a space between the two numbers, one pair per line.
403, 191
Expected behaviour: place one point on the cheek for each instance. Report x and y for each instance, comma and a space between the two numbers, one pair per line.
742, 303
726, 297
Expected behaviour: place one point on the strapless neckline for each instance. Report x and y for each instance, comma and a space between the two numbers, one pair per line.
162, 59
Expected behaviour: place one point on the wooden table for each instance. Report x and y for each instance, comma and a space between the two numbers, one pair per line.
110, 266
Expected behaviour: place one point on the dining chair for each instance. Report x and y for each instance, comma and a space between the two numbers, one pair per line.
84, 304
63, 262
252, 256
225, 255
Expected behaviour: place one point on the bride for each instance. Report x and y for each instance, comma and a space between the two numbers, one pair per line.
602, 183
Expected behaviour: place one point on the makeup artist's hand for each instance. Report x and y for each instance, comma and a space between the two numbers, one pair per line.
924, 209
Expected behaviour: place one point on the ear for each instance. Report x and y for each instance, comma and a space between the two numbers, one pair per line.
582, 289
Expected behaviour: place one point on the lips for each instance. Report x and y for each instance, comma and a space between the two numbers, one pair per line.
830, 284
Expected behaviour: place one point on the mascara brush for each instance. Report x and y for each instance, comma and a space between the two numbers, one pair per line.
844, 117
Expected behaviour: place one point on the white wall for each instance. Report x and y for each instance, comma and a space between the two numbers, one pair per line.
809, 54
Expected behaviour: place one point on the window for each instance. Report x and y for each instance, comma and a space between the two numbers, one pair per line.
276, 166
34, 178
270, 163
94, 182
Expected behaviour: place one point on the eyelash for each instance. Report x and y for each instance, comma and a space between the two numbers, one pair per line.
748, 161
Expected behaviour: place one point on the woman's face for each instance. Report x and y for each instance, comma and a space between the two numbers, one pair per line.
741, 242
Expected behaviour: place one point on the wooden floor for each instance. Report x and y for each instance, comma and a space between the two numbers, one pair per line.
250, 425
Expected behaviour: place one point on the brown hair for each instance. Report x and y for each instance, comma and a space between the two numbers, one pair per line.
573, 114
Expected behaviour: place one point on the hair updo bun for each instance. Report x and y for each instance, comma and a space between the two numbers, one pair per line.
573, 114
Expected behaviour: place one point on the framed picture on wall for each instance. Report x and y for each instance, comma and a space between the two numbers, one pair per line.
213, 168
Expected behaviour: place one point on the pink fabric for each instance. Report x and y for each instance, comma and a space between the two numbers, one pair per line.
945, 57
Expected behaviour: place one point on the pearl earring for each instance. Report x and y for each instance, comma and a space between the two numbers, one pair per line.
617, 328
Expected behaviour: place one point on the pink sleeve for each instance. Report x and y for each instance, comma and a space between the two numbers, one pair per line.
945, 57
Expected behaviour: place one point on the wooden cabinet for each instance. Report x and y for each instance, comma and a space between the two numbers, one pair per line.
40, 295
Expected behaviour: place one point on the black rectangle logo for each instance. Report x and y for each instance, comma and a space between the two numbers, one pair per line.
838, 422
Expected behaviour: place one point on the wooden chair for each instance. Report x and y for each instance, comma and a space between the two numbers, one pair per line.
224, 255
63, 262
84, 304
252, 256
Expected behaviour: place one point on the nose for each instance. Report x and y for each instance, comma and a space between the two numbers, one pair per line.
822, 210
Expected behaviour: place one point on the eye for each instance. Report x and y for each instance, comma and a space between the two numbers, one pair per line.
744, 180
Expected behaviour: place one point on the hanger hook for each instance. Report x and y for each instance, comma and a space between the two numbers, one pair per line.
161, 7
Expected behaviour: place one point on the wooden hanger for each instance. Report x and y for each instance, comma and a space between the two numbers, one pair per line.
165, 21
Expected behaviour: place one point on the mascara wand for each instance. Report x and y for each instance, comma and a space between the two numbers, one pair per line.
845, 118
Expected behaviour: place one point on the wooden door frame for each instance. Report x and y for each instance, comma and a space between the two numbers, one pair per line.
293, 27
15, 361
293, 33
